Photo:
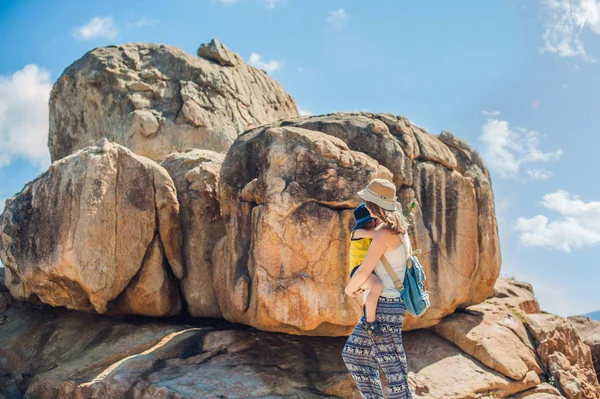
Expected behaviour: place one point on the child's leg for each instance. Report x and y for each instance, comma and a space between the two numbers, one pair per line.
376, 287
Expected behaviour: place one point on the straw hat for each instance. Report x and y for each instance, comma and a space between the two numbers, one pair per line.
381, 192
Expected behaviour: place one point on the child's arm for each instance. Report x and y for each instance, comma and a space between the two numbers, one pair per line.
364, 233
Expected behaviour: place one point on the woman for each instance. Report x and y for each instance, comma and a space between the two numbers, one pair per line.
363, 354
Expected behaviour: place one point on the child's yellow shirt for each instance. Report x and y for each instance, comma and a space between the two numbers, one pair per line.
358, 250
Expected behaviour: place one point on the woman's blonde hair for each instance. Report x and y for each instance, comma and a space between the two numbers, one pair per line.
394, 220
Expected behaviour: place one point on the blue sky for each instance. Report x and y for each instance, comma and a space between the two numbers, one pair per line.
519, 80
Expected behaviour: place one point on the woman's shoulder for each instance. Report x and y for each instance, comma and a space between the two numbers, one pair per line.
384, 233
387, 235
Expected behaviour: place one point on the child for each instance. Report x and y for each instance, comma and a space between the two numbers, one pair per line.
360, 239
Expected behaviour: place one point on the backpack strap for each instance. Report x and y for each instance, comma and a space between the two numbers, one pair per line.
409, 254
397, 283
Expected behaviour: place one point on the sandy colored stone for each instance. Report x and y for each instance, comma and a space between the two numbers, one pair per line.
152, 291
589, 331
99, 223
470, 164
217, 52
455, 221
542, 391
157, 99
493, 335
196, 177
367, 133
514, 293
434, 150
439, 370
286, 196
564, 355
447, 233
52, 353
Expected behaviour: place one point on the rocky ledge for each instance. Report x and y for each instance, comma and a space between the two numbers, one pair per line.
491, 350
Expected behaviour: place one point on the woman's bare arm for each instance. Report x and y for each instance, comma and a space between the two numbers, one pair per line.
376, 249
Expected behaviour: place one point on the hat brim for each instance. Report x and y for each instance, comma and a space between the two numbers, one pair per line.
367, 196
361, 222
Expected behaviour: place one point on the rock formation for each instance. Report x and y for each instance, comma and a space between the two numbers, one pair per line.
49, 353
514, 294
286, 196
589, 331
494, 335
52, 353
157, 99
196, 177
287, 191
98, 231
257, 236
564, 355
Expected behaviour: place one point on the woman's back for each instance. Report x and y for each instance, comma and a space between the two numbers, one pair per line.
397, 259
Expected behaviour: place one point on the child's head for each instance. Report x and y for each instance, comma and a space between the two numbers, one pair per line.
363, 218
370, 225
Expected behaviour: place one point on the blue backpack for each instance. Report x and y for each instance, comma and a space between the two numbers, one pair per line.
412, 291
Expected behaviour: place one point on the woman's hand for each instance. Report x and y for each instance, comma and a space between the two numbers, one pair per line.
356, 293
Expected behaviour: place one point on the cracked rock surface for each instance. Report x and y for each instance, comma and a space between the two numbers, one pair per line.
286, 196
60, 354
50, 353
287, 191
156, 99
196, 177
98, 231
589, 331
564, 354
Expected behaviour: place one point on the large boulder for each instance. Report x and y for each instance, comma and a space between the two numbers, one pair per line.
589, 331
196, 177
53, 353
98, 231
564, 355
286, 196
440, 370
514, 294
287, 191
495, 336
157, 99
455, 221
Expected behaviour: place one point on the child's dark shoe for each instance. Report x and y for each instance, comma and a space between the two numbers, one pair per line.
372, 328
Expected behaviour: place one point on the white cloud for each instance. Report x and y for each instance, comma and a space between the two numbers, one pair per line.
337, 18
505, 150
142, 22
24, 116
269, 66
105, 28
539, 174
491, 113
271, 3
566, 21
578, 224
304, 112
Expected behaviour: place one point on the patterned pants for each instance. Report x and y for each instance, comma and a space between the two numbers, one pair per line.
363, 354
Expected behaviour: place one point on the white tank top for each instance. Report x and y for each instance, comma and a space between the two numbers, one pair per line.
397, 259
